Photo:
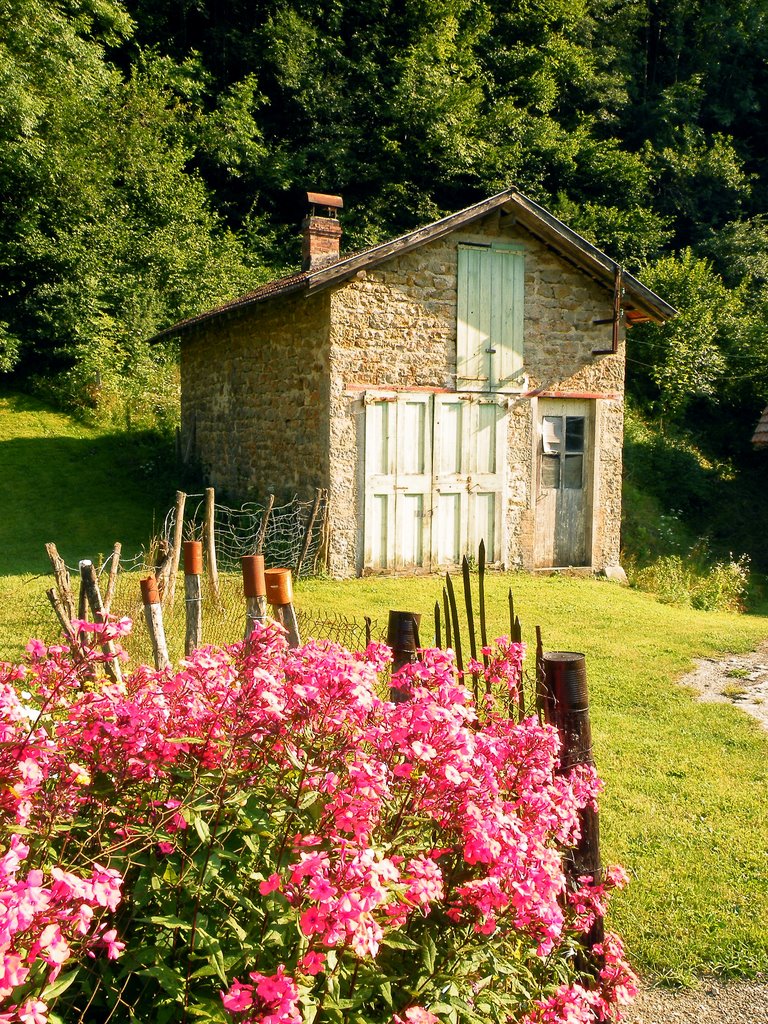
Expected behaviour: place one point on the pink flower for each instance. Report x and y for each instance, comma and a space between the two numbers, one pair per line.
312, 921
311, 963
114, 948
34, 1011
238, 998
273, 882
418, 1015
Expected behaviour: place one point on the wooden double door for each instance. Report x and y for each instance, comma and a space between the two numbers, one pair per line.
434, 479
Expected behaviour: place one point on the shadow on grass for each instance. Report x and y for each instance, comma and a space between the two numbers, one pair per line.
83, 493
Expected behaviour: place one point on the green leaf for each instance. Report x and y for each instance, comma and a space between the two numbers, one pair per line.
169, 921
201, 827
172, 983
399, 941
429, 953
59, 986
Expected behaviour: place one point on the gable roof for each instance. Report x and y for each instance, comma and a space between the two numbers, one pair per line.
638, 299
760, 437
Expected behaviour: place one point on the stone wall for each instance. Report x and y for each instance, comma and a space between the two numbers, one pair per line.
394, 327
255, 398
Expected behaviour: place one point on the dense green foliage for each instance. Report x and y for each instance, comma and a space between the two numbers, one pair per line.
152, 156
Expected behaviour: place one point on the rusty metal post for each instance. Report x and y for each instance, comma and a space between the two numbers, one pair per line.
567, 708
279, 587
403, 641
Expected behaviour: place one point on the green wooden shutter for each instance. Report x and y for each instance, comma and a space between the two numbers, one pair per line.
509, 285
489, 332
473, 319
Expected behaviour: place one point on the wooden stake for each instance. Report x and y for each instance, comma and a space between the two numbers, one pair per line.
90, 583
279, 586
308, 531
193, 607
255, 591
153, 613
264, 524
323, 556
114, 567
61, 576
178, 527
69, 632
210, 542
455, 622
470, 622
61, 615
481, 598
81, 602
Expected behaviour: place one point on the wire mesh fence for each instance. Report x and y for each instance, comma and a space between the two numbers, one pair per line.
223, 621
223, 618
292, 534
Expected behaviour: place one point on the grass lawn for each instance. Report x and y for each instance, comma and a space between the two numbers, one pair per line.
686, 801
75, 485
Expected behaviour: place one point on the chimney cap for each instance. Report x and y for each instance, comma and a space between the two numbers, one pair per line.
321, 199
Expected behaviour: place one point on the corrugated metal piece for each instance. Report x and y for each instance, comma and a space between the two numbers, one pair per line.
321, 199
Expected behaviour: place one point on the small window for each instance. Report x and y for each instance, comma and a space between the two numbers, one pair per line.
562, 447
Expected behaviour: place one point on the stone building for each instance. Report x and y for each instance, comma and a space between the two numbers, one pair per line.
462, 382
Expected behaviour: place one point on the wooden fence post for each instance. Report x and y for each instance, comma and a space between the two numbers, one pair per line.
62, 580
90, 584
566, 706
403, 641
279, 586
169, 591
254, 590
308, 529
210, 542
262, 536
153, 613
114, 567
193, 608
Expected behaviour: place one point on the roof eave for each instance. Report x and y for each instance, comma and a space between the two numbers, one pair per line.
538, 221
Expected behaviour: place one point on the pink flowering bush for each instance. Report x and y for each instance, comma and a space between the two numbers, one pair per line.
261, 838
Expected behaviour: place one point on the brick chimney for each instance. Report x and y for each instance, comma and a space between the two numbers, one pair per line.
322, 231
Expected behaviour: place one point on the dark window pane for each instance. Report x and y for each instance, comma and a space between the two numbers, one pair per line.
550, 471
574, 434
572, 476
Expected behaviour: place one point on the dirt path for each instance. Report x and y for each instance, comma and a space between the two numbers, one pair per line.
742, 680
714, 1002
739, 679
